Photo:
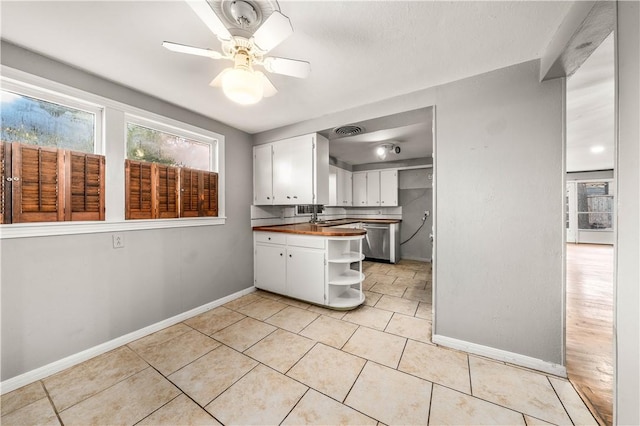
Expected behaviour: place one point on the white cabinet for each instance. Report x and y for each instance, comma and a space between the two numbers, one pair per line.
388, 188
262, 174
377, 188
373, 189
360, 189
305, 274
344, 188
299, 171
322, 270
340, 187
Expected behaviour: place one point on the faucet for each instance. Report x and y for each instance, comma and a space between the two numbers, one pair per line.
314, 214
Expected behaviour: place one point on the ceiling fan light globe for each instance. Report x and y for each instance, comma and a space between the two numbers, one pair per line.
242, 86
381, 151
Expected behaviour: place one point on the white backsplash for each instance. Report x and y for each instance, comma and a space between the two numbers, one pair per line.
285, 215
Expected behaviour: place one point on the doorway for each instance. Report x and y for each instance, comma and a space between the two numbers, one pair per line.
590, 227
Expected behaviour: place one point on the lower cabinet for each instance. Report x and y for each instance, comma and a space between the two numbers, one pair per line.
321, 270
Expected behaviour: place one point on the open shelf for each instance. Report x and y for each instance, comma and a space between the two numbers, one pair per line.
348, 257
347, 277
349, 298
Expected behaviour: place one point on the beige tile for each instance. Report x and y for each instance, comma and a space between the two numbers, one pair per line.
327, 312
390, 289
329, 331
261, 309
297, 303
252, 400
180, 411
424, 311
21, 397
292, 319
402, 273
532, 421
174, 354
280, 350
377, 346
371, 298
439, 365
268, 295
397, 304
410, 283
318, 409
579, 413
39, 412
328, 370
214, 320
159, 337
242, 301
410, 327
209, 376
422, 276
449, 407
127, 402
521, 390
244, 334
390, 396
368, 283
90, 377
369, 317
417, 294
381, 278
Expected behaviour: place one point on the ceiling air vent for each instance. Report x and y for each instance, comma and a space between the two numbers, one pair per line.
348, 130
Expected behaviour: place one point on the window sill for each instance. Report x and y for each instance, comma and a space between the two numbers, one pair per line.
46, 229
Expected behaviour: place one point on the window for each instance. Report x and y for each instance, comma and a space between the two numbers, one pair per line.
60, 140
35, 121
168, 175
595, 206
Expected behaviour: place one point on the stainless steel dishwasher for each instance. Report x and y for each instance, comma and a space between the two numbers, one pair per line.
377, 242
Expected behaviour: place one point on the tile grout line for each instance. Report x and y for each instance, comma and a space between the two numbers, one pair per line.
55, 409
559, 399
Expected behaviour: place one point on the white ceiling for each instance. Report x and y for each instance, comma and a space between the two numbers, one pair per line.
360, 51
590, 111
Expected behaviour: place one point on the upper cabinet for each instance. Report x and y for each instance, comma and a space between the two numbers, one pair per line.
292, 171
375, 188
340, 187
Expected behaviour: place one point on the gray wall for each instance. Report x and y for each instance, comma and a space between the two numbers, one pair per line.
499, 260
65, 294
627, 410
425, 161
415, 196
499, 254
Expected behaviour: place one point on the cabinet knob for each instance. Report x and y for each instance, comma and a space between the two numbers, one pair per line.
280, 254
269, 238
295, 196
268, 198
290, 256
383, 202
288, 198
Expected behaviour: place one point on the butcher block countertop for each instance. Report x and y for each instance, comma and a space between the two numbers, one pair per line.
325, 229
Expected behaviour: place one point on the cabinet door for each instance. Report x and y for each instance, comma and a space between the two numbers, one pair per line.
293, 171
388, 188
360, 189
334, 186
373, 188
305, 274
262, 175
344, 188
270, 268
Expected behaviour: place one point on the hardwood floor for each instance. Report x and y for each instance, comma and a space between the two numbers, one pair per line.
589, 335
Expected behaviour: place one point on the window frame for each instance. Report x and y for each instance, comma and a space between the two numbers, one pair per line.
112, 136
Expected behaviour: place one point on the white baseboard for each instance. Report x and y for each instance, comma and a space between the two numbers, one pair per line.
419, 259
500, 355
64, 363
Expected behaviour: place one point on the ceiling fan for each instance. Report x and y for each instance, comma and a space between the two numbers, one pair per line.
244, 46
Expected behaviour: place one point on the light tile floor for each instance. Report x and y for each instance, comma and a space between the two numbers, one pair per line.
266, 359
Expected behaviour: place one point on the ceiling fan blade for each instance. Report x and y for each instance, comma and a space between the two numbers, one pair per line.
217, 82
290, 67
272, 32
209, 17
269, 88
190, 50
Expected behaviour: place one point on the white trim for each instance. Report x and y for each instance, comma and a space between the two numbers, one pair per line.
47, 229
64, 363
500, 355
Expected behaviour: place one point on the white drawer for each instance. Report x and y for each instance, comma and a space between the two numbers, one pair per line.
305, 241
271, 237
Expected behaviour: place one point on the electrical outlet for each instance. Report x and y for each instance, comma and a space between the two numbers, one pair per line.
118, 241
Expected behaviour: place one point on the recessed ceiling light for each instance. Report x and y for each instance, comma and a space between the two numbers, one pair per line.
597, 149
